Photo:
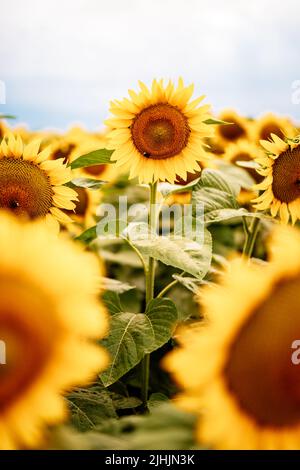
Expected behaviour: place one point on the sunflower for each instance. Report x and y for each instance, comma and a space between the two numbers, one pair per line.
64, 145
281, 169
3, 130
31, 185
244, 151
272, 124
239, 128
49, 319
158, 134
104, 172
85, 207
237, 370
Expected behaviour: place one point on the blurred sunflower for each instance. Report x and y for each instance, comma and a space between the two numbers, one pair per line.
48, 324
272, 124
64, 145
228, 133
3, 130
31, 185
244, 151
281, 169
86, 205
158, 134
248, 391
104, 172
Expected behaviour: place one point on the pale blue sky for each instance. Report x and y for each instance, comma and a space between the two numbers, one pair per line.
63, 60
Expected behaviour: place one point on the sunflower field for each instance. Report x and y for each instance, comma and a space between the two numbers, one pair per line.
149, 278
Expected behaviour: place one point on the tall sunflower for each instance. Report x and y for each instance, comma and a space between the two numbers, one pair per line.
49, 319
158, 134
33, 186
281, 188
237, 370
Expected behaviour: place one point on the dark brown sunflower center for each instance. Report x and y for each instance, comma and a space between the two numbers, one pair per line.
245, 157
160, 131
95, 170
231, 132
24, 188
28, 340
63, 152
259, 370
286, 176
82, 203
269, 129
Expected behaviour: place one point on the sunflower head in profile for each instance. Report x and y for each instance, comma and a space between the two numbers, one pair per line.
158, 134
31, 185
237, 370
237, 128
272, 124
281, 185
50, 319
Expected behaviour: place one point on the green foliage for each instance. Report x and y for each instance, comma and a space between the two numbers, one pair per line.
88, 183
165, 427
97, 157
132, 335
218, 192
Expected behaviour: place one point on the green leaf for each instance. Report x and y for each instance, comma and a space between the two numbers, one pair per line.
7, 116
134, 335
185, 254
190, 283
236, 175
216, 121
112, 302
88, 183
124, 403
166, 188
126, 258
97, 157
88, 235
90, 407
116, 286
157, 399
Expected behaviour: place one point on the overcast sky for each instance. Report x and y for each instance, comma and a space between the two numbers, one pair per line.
63, 60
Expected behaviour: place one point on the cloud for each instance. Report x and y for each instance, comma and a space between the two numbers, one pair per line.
69, 57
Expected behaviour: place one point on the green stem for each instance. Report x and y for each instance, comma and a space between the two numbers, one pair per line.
150, 278
166, 289
251, 238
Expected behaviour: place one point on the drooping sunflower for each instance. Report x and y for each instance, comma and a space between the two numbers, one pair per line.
272, 124
158, 134
236, 371
49, 320
281, 169
239, 128
31, 185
